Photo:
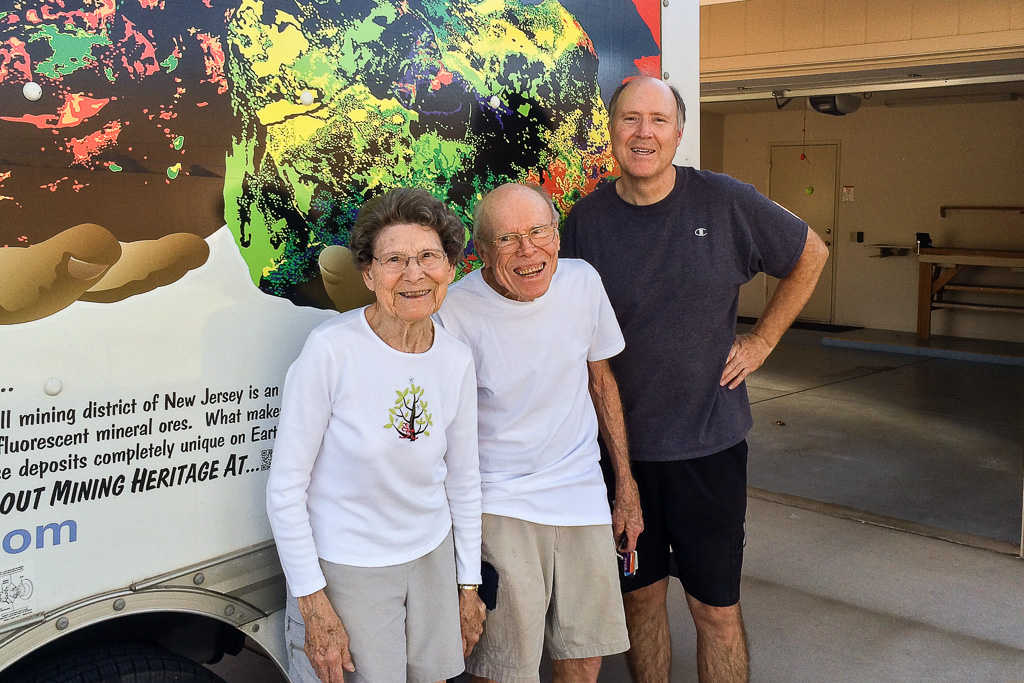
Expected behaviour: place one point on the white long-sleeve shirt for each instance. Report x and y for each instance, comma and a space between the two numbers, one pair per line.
376, 454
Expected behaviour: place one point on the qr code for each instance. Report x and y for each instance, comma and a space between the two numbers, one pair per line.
265, 457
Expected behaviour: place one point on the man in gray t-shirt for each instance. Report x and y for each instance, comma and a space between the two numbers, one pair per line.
673, 245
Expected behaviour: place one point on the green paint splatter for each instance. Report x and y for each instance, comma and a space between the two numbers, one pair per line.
114, 167
179, 142
72, 50
173, 171
171, 63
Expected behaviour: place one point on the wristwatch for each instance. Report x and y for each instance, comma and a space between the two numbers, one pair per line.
469, 586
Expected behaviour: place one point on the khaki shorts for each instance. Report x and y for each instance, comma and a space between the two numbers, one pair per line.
402, 621
558, 587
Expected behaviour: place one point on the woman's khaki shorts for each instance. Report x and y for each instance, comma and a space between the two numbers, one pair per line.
402, 621
557, 586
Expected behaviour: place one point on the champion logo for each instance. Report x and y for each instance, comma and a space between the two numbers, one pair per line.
701, 232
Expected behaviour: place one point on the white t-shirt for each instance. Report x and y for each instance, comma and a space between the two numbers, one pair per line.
376, 454
538, 429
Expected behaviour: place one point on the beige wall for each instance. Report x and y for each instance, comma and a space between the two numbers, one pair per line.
903, 163
759, 38
712, 142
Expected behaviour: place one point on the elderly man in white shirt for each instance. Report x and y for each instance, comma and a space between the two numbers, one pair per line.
541, 332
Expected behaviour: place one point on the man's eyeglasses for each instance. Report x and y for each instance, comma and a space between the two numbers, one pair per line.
511, 241
429, 259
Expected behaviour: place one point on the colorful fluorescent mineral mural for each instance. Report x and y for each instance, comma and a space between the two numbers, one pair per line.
160, 122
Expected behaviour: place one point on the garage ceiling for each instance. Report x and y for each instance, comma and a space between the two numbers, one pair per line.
974, 79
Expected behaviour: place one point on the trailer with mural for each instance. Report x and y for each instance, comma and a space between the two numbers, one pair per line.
177, 182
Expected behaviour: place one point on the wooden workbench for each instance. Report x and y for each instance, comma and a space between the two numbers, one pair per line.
937, 267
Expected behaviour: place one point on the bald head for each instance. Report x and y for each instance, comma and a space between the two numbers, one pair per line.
510, 197
526, 220
649, 83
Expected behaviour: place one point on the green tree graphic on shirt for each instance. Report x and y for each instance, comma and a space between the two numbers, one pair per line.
409, 416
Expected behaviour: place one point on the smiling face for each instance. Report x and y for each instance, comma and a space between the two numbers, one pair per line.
644, 132
415, 293
524, 274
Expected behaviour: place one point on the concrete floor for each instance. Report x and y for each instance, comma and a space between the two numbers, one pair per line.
851, 449
936, 442
827, 599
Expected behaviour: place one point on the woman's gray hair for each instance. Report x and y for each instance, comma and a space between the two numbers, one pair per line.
405, 205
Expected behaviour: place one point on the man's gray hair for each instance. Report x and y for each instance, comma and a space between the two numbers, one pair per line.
680, 105
482, 212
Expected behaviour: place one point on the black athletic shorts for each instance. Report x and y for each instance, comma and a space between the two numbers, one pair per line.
695, 508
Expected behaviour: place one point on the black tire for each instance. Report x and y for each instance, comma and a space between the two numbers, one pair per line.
117, 664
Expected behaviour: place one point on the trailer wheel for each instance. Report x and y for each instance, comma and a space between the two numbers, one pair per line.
119, 664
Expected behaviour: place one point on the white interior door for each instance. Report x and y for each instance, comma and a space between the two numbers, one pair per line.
803, 178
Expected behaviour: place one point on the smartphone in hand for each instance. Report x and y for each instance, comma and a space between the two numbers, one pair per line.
629, 561
489, 588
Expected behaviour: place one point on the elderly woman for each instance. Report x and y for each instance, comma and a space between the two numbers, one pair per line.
375, 474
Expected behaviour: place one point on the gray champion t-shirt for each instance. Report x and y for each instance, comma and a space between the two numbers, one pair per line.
673, 272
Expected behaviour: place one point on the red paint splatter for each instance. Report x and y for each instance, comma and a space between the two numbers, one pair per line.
650, 12
146, 64
213, 56
75, 110
52, 187
585, 42
14, 59
101, 15
443, 77
84, 149
649, 65
558, 184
